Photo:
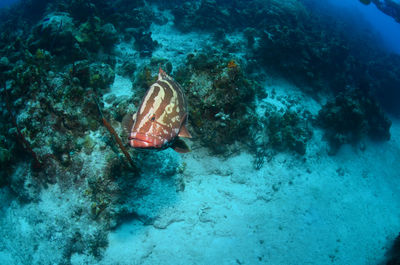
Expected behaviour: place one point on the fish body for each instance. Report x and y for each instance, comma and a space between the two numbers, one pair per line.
161, 117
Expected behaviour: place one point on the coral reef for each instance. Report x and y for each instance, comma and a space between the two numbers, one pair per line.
21, 138
289, 130
221, 100
352, 116
143, 42
205, 16
54, 33
136, 24
303, 53
127, 68
59, 34
94, 35
211, 15
291, 38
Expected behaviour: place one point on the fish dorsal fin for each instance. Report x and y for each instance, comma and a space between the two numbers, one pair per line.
184, 132
128, 121
162, 75
180, 146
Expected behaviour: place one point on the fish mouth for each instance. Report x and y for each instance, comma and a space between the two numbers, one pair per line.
141, 140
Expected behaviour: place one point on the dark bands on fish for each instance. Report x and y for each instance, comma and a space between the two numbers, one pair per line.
161, 115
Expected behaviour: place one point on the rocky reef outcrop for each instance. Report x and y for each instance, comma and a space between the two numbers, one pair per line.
292, 39
352, 116
288, 131
221, 109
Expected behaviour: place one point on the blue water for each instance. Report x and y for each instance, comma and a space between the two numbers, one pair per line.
7, 3
385, 25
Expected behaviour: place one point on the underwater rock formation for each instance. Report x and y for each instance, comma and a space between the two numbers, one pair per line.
59, 34
211, 15
220, 98
143, 42
206, 16
352, 116
289, 130
98, 76
94, 35
294, 43
54, 33
394, 252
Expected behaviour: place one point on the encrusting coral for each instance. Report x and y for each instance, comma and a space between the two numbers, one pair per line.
221, 98
21, 138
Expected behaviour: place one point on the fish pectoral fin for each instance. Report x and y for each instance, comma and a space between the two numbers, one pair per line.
184, 132
127, 122
180, 146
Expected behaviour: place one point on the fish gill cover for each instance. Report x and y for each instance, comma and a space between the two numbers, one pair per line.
61, 109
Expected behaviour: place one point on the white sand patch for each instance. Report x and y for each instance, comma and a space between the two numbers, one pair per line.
282, 93
122, 87
176, 45
173, 45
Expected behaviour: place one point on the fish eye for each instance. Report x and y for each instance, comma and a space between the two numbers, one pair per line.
153, 118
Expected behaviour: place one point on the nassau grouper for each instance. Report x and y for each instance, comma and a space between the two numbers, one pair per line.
161, 117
